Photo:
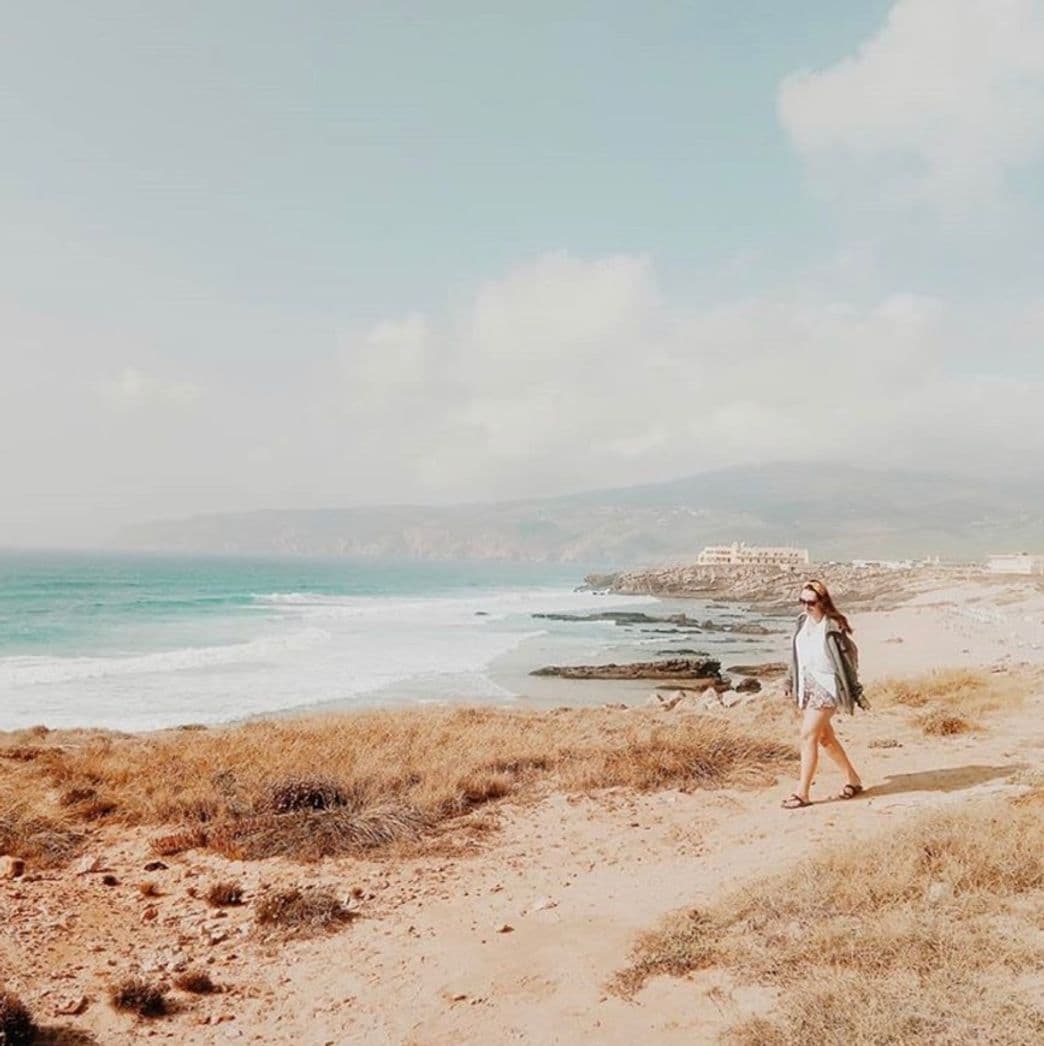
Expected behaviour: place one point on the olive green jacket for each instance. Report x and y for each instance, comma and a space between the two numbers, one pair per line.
845, 657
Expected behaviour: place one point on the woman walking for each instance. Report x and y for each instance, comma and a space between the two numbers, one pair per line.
824, 676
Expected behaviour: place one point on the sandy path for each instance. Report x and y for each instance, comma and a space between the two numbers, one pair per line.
575, 879
613, 869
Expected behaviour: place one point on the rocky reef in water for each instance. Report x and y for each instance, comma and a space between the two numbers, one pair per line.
695, 670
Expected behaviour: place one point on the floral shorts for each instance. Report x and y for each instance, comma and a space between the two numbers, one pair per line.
817, 696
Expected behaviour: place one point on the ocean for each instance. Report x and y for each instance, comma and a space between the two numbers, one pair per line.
137, 642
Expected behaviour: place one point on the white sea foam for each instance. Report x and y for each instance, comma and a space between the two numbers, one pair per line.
32, 671
305, 649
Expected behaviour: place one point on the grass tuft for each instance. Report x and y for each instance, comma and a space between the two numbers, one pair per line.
37, 839
302, 910
140, 997
225, 895
196, 982
311, 837
940, 723
305, 793
173, 843
17, 1027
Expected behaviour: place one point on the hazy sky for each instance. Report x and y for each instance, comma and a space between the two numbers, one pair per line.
261, 254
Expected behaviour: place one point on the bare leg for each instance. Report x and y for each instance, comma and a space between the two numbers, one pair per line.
833, 748
812, 725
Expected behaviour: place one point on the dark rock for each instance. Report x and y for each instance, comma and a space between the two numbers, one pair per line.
747, 686
621, 617
750, 628
675, 668
766, 668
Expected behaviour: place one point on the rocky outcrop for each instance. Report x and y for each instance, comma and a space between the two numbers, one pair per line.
766, 668
777, 588
681, 622
694, 671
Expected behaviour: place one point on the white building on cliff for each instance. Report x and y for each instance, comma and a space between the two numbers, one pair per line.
739, 554
1015, 563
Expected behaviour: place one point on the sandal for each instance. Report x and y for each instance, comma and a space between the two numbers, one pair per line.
850, 791
795, 802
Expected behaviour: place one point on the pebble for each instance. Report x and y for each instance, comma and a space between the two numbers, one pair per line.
72, 1007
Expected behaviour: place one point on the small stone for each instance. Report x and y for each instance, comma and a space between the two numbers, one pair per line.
505, 928
155, 866
543, 904
88, 865
11, 867
149, 914
110, 880
71, 1007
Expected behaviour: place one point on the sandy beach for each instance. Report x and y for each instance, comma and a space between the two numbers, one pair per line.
514, 921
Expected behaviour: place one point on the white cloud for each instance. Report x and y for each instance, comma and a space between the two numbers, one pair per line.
946, 98
133, 388
564, 373
573, 373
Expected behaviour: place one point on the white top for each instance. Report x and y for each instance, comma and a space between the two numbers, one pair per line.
812, 656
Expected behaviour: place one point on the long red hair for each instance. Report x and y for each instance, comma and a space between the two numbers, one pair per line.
827, 603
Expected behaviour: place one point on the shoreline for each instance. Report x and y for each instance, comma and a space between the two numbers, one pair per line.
982, 609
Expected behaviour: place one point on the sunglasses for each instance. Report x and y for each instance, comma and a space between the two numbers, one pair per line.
809, 602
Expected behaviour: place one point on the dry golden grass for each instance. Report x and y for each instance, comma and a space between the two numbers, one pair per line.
844, 1009
920, 935
17, 1027
966, 691
307, 910
388, 777
938, 722
43, 840
957, 701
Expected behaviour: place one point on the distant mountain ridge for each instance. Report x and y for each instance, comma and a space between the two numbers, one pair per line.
837, 511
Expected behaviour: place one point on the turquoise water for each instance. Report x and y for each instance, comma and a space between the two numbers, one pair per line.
135, 642
139, 642
77, 604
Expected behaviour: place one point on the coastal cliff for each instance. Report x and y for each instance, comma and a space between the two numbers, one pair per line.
837, 511
776, 587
